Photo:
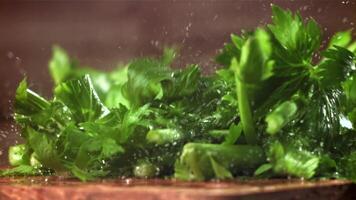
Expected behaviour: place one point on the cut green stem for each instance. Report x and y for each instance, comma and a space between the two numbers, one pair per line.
245, 113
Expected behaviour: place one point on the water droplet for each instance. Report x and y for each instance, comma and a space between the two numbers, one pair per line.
18, 60
344, 20
155, 43
128, 181
10, 54
187, 28
345, 2
305, 8
346, 123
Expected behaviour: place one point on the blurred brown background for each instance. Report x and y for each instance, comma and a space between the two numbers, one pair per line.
103, 33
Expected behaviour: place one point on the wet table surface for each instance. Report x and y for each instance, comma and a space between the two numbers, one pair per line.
43, 188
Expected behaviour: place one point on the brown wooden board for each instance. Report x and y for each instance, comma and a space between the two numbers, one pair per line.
50, 188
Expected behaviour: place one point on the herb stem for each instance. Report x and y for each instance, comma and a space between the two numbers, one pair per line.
245, 113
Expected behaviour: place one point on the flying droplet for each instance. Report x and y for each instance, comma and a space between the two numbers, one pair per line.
344, 20
10, 54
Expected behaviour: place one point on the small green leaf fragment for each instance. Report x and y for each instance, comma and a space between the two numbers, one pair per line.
341, 39
289, 161
263, 169
220, 171
252, 65
21, 170
145, 169
19, 155
60, 65
280, 116
234, 134
163, 136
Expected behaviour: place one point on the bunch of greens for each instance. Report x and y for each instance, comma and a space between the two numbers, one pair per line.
273, 110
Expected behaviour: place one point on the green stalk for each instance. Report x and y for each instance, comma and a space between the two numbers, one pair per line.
202, 161
245, 113
27, 101
163, 136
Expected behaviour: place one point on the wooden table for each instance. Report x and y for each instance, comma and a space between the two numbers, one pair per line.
50, 188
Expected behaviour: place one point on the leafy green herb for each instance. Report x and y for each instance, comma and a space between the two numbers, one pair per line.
272, 110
